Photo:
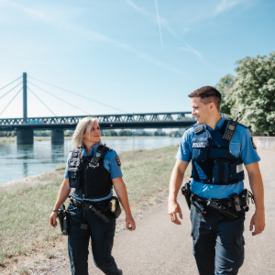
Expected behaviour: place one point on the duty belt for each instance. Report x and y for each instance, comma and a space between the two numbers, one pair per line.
98, 208
227, 207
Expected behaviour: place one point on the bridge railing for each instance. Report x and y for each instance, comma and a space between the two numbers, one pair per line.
143, 117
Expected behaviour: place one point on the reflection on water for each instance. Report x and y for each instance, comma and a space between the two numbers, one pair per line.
19, 161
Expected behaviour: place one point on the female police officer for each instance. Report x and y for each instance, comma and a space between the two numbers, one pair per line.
91, 171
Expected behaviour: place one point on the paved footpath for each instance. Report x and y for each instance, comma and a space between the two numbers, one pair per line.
159, 247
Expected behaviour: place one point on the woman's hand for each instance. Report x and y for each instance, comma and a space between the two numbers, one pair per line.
53, 221
130, 223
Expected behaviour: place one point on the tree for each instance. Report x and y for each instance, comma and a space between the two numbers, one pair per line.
224, 86
253, 92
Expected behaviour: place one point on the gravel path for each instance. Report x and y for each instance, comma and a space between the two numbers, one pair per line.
158, 247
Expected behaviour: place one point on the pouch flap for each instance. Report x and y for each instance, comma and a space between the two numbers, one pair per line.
72, 172
74, 162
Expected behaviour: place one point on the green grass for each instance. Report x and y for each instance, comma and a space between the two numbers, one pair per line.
25, 209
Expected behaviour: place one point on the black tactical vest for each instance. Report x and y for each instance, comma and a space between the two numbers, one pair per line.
88, 176
212, 162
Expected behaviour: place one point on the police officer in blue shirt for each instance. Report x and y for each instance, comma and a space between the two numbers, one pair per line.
217, 188
92, 169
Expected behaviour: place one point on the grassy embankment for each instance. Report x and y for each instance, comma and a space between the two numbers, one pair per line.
25, 207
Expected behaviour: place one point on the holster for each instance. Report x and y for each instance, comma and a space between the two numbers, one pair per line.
63, 217
186, 192
114, 207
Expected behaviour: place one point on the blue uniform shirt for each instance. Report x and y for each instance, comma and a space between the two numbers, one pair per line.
109, 163
240, 146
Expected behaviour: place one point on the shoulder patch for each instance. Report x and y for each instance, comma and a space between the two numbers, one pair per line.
253, 143
118, 161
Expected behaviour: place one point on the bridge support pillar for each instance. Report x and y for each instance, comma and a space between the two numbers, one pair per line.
57, 137
24, 136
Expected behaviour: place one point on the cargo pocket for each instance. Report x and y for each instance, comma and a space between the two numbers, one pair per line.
74, 178
240, 241
239, 252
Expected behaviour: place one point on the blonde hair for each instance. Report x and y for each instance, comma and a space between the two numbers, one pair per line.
84, 124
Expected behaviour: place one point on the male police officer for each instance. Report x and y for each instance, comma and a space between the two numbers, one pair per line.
217, 172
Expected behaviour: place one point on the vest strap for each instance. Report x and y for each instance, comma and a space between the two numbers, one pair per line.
221, 170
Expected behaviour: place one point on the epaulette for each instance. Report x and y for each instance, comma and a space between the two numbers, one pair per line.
199, 128
242, 125
106, 148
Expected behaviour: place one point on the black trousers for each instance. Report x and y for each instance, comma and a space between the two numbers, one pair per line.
218, 242
102, 237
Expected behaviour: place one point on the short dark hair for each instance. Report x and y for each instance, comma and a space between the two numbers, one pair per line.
208, 94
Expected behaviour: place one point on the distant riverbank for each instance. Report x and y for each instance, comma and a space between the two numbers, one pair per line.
13, 139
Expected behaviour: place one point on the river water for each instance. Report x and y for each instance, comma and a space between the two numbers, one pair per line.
18, 161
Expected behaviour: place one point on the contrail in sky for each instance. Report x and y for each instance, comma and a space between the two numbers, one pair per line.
159, 24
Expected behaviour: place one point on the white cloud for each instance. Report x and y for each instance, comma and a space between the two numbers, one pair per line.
94, 36
217, 9
185, 30
160, 34
225, 5
190, 49
163, 22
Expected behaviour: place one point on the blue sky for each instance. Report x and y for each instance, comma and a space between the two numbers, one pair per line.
134, 55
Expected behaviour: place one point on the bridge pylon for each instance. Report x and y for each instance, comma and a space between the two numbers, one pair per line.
25, 136
25, 99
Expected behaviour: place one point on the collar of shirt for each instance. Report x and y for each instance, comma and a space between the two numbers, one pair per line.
219, 124
93, 149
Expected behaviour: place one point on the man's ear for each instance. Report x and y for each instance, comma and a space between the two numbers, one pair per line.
211, 106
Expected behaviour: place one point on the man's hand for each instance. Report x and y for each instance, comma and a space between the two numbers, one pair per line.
130, 223
173, 210
258, 221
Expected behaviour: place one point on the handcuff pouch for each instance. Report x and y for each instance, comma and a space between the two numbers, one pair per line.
74, 177
114, 207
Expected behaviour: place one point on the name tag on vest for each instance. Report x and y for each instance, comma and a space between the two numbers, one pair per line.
199, 144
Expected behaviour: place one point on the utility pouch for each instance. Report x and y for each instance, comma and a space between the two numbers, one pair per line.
114, 207
236, 201
74, 177
244, 197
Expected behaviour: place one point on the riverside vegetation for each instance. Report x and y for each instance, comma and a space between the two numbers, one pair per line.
26, 237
